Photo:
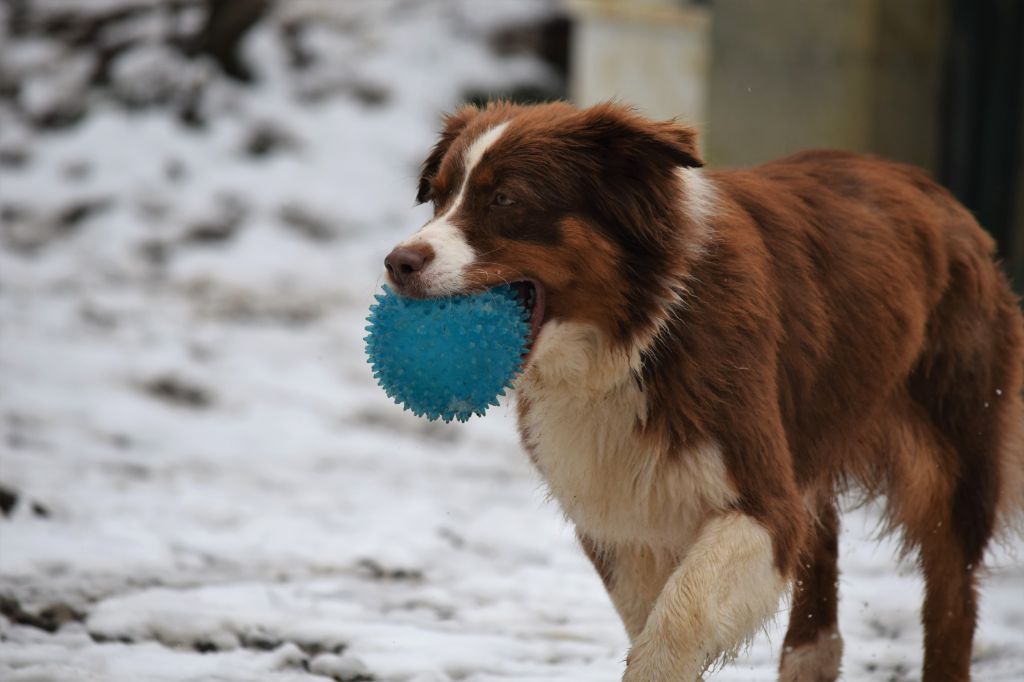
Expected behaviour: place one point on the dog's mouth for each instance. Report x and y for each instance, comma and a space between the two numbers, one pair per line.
531, 296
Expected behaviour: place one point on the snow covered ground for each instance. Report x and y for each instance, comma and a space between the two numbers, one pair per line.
200, 480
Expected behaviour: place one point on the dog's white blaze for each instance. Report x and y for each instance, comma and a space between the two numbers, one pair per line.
446, 273
817, 660
724, 589
476, 151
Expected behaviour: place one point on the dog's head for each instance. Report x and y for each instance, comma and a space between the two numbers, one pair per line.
580, 210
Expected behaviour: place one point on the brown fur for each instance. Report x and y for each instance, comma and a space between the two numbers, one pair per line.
834, 320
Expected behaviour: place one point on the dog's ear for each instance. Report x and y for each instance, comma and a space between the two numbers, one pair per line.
629, 164
632, 143
454, 124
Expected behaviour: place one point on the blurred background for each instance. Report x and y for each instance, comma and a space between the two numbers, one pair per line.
198, 478
935, 83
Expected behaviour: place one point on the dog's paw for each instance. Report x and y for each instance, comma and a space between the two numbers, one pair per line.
654, 662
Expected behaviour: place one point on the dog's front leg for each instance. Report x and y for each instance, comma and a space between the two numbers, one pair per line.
725, 587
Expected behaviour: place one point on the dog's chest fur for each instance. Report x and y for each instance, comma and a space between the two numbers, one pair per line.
580, 417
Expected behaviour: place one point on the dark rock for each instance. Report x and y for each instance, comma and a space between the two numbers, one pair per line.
8, 500
378, 572
267, 139
50, 618
178, 391
308, 223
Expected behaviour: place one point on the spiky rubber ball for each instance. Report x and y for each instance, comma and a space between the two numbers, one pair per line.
447, 358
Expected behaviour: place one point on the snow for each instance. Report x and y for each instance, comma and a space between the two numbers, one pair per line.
207, 477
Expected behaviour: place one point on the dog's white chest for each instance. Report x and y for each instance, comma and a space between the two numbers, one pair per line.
611, 482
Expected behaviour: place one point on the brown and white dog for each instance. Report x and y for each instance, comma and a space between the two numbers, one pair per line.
717, 355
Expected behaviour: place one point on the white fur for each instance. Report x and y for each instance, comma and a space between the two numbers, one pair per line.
724, 589
639, 573
476, 151
699, 202
699, 205
617, 485
817, 661
446, 273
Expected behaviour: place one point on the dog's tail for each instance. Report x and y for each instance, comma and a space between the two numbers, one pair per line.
1011, 502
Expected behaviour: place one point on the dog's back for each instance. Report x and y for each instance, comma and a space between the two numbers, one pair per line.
891, 310
882, 285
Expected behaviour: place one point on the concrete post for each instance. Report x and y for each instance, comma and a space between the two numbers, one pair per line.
650, 53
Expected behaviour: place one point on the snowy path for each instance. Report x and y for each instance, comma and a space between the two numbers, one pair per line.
293, 514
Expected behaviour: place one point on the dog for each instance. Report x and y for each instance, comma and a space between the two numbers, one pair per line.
716, 356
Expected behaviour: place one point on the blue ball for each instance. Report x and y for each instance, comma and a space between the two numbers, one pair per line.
447, 358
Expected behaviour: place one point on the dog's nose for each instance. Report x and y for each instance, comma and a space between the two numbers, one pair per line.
406, 261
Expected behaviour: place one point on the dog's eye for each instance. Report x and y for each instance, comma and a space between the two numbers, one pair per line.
502, 200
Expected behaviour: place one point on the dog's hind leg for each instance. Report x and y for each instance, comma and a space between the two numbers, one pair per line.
813, 648
969, 383
923, 482
950, 606
953, 528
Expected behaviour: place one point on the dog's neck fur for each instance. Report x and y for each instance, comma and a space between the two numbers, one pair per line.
582, 413
577, 356
583, 358
583, 409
